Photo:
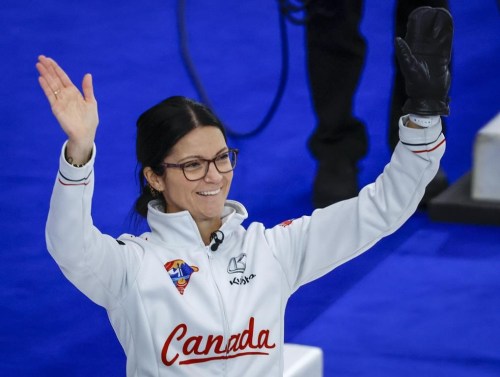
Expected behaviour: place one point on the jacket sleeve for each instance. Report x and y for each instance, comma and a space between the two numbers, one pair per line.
97, 264
311, 246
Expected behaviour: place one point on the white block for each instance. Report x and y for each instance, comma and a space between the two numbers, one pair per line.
486, 164
302, 361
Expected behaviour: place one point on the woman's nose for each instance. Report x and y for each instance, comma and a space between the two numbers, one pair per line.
213, 174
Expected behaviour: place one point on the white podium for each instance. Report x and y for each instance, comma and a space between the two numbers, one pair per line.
475, 197
302, 361
486, 172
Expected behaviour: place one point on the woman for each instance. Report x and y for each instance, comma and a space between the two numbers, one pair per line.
199, 295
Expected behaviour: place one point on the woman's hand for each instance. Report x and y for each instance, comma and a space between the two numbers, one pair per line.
76, 113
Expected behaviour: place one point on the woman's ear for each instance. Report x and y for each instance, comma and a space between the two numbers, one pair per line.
154, 180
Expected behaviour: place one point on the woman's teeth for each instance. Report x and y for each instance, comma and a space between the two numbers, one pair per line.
209, 193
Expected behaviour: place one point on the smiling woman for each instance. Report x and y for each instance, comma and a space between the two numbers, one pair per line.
199, 294
158, 131
176, 139
199, 186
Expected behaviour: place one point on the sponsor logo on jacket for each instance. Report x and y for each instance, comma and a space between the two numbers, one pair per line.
243, 280
238, 265
183, 348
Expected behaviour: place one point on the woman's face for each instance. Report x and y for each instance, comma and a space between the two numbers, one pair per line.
203, 198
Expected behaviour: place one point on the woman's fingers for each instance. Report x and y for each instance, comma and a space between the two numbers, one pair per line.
48, 80
76, 113
61, 75
47, 71
51, 96
88, 88
53, 79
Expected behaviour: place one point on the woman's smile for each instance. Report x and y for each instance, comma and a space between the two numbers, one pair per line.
210, 193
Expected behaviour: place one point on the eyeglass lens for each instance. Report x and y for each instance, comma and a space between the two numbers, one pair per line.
197, 169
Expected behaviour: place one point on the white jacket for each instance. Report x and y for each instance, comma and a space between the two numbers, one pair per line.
180, 309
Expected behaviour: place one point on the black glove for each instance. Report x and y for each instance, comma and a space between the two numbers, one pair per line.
424, 56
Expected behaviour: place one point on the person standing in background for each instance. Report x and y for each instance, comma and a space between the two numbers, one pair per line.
335, 57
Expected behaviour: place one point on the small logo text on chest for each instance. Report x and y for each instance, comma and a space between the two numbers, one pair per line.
242, 280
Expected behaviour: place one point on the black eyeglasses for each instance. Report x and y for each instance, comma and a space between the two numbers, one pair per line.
197, 169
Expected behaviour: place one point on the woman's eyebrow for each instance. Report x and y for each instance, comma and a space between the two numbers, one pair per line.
187, 158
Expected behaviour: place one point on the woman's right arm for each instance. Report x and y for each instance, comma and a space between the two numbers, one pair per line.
100, 266
76, 113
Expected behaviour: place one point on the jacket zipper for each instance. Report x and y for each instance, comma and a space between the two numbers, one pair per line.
223, 309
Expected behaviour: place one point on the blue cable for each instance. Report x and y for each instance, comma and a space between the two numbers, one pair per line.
196, 81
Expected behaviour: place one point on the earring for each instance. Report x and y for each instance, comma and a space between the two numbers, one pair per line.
153, 191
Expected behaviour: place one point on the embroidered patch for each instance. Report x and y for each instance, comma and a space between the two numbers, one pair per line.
180, 272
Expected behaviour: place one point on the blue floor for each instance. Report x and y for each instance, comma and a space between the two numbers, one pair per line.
423, 302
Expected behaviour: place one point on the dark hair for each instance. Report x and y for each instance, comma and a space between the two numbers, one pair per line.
159, 129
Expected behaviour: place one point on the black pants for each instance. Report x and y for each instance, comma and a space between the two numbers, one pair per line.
335, 58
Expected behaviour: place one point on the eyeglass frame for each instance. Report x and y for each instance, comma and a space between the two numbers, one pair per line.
209, 161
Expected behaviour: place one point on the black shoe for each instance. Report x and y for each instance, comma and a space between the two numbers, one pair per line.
335, 182
438, 184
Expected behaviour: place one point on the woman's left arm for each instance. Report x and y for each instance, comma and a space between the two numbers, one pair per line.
313, 245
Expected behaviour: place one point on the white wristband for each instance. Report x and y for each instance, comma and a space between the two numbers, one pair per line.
424, 121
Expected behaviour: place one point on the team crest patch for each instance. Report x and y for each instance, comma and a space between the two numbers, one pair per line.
180, 272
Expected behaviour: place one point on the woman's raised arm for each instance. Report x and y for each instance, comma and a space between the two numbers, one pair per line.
76, 113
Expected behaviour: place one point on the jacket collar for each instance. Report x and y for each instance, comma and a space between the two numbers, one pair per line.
179, 229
